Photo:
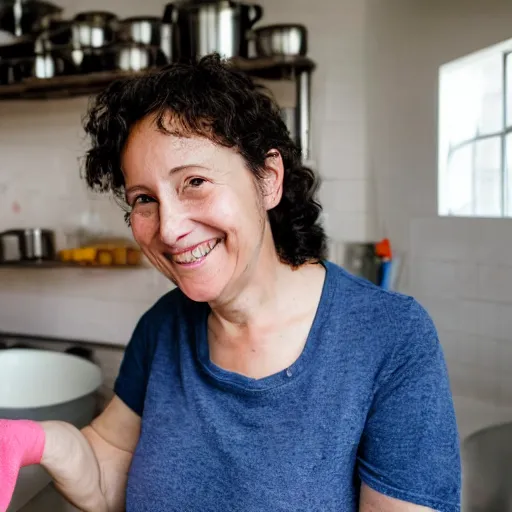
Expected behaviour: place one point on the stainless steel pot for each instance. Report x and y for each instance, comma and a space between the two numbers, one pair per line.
152, 33
220, 27
94, 29
143, 30
27, 245
133, 57
281, 40
27, 16
43, 385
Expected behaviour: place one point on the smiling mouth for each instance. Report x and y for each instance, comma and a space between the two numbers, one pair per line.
196, 254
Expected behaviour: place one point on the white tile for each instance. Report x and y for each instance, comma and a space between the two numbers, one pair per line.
447, 239
448, 279
341, 196
451, 314
495, 283
494, 320
347, 227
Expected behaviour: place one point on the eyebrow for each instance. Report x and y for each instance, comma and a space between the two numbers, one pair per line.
174, 170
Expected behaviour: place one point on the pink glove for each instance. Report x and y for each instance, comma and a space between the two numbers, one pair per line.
21, 444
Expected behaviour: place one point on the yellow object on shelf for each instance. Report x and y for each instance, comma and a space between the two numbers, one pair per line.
104, 255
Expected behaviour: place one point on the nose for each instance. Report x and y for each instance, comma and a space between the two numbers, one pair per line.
174, 223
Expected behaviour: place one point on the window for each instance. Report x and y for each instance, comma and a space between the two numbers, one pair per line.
475, 134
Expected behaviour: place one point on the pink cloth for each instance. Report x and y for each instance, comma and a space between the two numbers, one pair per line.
21, 444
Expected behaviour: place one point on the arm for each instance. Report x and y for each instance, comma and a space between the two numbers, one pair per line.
373, 501
409, 449
90, 467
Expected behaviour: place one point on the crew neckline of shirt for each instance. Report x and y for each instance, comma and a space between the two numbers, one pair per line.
242, 384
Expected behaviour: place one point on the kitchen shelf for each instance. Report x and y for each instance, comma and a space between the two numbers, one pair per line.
62, 264
91, 83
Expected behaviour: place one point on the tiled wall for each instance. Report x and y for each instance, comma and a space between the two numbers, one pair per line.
40, 146
460, 269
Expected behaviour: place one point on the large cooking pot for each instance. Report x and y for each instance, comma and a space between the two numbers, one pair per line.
221, 27
44, 385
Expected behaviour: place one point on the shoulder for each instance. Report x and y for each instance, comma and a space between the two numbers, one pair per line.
371, 301
389, 323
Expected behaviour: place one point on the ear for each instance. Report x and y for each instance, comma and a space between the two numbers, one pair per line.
272, 182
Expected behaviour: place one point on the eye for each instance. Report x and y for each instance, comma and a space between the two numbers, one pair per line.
195, 182
142, 199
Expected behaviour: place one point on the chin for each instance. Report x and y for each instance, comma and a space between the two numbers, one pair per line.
199, 293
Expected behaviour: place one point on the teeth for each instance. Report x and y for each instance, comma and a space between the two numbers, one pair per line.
197, 253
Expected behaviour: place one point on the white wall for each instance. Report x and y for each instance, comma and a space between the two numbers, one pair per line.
40, 143
460, 269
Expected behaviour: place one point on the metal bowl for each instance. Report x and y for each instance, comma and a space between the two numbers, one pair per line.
43, 385
281, 40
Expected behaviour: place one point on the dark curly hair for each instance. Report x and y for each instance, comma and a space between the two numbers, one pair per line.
209, 98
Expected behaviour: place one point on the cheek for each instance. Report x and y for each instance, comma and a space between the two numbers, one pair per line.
144, 227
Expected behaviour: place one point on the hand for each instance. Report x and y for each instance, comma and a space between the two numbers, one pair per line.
21, 444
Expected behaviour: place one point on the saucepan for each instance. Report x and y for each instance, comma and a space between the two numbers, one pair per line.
281, 40
27, 245
27, 16
45, 385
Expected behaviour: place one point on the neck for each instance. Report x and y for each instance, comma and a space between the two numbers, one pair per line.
260, 296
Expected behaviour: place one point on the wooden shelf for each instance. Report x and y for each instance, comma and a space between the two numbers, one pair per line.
79, 85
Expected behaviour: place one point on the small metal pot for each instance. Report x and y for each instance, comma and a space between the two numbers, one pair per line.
94, 29
134, 57
27, 245
142, 30
281, 40
28, 16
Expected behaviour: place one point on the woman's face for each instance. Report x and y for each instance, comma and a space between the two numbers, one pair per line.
197, 212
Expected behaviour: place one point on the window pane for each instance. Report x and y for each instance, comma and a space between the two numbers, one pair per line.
487, 177
490, 71
471, 98
509, 174
509, 89
459, 181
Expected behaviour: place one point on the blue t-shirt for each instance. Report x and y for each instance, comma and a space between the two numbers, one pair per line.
367, 400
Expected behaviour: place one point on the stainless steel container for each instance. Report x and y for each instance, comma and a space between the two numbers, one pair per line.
220, 27
133, 57
150, 33
27, 245
43, 385
281, 40
487, 470
143, 30
93, 29
27, 16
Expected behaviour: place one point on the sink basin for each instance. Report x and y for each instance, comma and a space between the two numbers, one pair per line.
45, 385
487, 470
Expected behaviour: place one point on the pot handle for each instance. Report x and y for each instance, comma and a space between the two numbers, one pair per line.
255, 13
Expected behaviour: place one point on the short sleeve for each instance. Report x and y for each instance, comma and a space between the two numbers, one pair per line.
410, 445
132, 380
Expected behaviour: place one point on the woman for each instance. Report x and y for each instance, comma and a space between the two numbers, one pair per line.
270, 379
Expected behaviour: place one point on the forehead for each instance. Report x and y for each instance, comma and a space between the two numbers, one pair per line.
147, 145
